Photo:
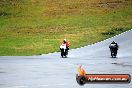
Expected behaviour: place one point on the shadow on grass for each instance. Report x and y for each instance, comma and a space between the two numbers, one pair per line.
4, 14
114, 31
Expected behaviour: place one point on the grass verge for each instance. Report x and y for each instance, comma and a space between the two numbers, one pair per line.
30, 27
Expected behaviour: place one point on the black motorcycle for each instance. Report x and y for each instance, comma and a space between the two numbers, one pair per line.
113, 53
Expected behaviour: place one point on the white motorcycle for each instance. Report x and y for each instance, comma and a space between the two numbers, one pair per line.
64, 51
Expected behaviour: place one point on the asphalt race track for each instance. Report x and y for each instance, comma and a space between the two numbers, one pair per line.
52, 71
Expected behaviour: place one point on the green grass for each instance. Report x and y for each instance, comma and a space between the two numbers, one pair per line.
30, 27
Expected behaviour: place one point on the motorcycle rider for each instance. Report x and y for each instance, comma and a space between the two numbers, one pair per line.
113, 48
67, 44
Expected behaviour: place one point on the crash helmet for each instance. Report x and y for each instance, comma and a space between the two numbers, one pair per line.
113, 42
64, 40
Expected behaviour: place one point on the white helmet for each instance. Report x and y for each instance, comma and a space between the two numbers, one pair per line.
65, 40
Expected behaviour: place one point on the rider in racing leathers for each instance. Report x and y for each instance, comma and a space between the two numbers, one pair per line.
67, 44
113, 47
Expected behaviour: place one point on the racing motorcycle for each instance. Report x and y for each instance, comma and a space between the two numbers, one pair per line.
113, 53
113, 50
64, 51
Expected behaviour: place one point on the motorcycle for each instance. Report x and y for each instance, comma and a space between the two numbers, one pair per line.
113, 53
64, 51
113, 50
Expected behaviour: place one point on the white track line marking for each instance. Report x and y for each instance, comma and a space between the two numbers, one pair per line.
43, 85
36, 86
52, 85
18, 87
60, 84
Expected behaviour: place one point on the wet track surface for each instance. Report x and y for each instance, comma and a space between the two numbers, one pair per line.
52, 71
